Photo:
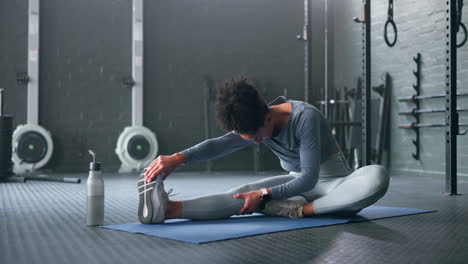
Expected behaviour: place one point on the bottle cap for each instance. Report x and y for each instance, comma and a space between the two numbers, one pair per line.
94, 166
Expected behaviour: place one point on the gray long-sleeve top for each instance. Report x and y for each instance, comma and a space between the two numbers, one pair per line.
301, 145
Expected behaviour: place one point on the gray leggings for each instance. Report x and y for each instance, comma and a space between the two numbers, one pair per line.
339, 190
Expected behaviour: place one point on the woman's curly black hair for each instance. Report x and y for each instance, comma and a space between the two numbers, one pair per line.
240, 107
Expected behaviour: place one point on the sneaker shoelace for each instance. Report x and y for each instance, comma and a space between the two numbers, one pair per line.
170, 191
151, 186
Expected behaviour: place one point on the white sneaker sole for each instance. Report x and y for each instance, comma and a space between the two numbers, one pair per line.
149, 201
145, 205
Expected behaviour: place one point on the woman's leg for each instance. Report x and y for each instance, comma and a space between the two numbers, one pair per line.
332, 172
339, 190
359, 190
220, 205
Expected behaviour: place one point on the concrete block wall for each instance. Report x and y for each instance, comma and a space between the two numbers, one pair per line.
421, 28
86, 51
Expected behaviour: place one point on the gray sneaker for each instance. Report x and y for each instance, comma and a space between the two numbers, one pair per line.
152, 200
288, 208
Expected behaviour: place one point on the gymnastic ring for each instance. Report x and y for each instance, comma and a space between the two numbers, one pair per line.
391, 22
465, 32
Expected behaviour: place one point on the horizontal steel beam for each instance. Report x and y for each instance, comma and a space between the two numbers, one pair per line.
414, 111
415, 125
343, 123
420, 97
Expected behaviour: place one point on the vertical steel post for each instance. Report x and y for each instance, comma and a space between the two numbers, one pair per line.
208, 85
137, 62
1, 102
33, 62
366, 71
307, 51
451, 99
325, 88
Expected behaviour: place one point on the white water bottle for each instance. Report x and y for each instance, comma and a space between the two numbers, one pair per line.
94, 194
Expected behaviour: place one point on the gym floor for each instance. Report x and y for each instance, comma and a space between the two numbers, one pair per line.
44, 222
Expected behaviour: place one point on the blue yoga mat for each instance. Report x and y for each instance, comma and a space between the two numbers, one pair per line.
249, 225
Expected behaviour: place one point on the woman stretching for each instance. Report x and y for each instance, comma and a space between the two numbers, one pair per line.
319, 180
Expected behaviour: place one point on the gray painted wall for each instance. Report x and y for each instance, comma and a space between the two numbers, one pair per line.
421, 28
86, 51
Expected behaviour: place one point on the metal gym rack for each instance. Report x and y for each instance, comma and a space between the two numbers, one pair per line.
451, 133
452, 125
366, 76
453, 26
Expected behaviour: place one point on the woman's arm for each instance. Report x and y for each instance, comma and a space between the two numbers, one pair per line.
215, 148
309, 136
204, 151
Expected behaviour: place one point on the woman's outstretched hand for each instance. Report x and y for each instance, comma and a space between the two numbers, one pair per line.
163, 165
252, 201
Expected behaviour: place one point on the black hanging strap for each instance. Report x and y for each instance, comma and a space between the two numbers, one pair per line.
460, 23
390, 22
